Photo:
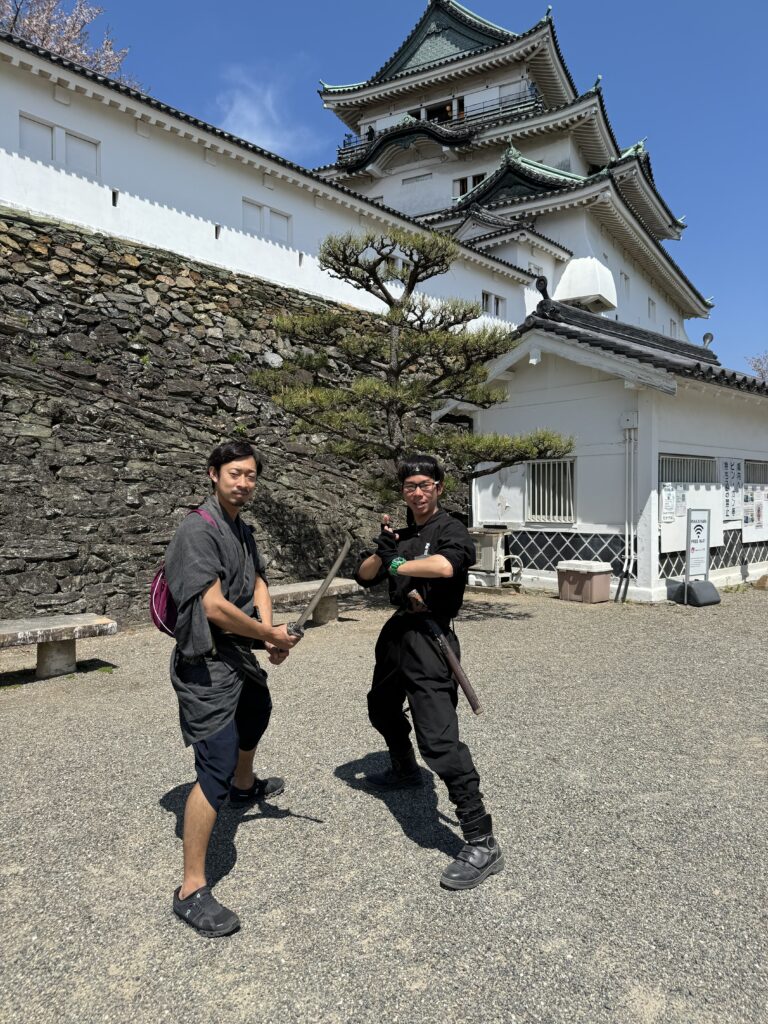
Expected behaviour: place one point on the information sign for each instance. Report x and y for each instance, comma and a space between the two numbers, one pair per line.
697, 546
732, 479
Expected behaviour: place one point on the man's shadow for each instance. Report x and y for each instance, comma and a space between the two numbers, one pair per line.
222, 852
415, 810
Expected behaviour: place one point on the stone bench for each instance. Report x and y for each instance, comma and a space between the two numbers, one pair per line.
297, 596
55, 636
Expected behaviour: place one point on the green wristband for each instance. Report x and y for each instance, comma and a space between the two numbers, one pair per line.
395, 564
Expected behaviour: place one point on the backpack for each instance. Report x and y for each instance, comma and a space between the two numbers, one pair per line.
162, 607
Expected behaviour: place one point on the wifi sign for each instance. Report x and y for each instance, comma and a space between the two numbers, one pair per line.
697, 558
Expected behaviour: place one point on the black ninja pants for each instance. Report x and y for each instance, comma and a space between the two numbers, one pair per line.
409, 666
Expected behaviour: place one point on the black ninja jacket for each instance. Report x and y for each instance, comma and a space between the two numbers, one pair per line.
440, 535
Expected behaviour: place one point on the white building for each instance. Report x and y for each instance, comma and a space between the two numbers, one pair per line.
477, 131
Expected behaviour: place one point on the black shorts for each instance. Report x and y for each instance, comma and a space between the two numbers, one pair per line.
216, 755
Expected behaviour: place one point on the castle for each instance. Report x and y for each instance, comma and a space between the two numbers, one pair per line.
478, 131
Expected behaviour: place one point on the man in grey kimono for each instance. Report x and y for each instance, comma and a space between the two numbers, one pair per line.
216, 577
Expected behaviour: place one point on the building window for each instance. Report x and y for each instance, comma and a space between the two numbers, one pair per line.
440, 112
252, 217
687, 469
624, 280
755, 472
416, 177
673, 328
267, 223
278, 227
652, 311
51, 144
81, 156
549, 491
35, 139
493, 305
462, 185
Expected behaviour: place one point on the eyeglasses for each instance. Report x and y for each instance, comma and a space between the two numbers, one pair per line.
426, 487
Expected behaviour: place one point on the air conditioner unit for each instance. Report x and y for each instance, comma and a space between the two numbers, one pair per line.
493, 566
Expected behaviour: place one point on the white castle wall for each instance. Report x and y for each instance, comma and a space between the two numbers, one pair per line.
173, 193
575, 401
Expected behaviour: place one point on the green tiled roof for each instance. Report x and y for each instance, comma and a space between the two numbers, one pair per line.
446, 30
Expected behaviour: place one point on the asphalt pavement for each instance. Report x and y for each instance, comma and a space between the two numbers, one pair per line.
622, 752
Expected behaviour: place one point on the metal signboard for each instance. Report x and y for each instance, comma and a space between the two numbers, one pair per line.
697, 546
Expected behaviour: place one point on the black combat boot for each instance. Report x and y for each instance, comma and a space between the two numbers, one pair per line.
479, 857
404, 773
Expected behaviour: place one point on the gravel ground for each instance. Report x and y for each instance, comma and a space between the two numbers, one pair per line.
622, 752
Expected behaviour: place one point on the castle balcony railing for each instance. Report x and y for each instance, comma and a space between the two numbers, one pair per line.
476, 116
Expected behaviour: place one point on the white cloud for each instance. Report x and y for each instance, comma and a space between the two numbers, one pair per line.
257, 111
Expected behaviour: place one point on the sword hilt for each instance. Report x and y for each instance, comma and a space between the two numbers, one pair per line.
295, 629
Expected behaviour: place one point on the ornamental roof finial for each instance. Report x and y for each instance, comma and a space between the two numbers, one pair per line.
548, 15
541, 286
598, 80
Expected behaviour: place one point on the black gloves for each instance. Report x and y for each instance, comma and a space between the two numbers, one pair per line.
386, 547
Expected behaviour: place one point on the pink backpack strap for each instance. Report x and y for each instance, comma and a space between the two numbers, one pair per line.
206, 516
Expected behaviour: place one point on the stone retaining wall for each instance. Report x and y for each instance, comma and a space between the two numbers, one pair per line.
120, 368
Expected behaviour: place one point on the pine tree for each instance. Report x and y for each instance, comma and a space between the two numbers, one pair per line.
403, 365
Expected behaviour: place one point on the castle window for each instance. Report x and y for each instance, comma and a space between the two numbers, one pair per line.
416, 177
279, 226
440, 112
652, 311
493, 305
267, 223
252, 217
673, 328
462, 185
35, 139
81, 156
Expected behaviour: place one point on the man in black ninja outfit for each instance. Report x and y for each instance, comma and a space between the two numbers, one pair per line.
431, 556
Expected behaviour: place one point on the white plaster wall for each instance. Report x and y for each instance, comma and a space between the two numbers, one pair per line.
703, 420
586, 236
552, 151
171, 197
714, 421
429, 195
575, 401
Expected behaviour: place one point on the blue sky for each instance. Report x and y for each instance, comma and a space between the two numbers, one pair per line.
687, 74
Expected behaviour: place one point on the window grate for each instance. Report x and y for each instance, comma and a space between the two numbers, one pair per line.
549, 491
755, 472
687, 469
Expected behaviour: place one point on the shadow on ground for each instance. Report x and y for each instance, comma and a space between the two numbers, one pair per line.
477, 611
415, 810
27, 675
222, 852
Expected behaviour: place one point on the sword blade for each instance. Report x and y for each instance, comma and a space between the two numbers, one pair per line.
298, 625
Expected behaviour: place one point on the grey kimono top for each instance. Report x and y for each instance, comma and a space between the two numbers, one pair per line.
209, 667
